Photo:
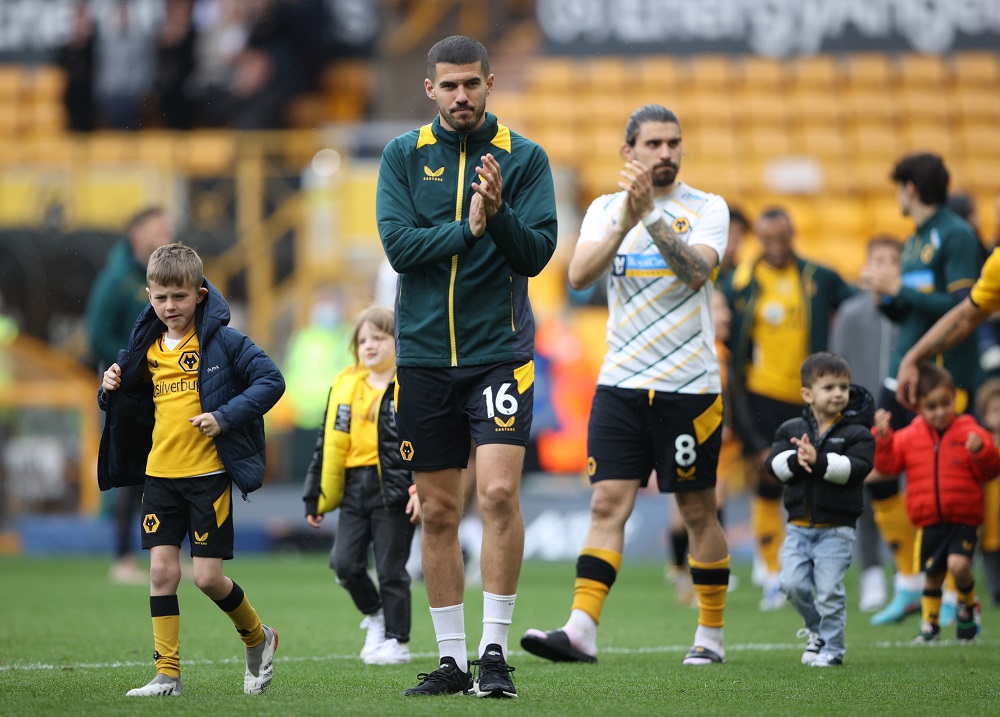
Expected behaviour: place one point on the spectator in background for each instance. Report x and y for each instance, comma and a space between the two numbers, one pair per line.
315, 354
116, 298
739, 226
76, 58
175, 64
274, 50
125, 68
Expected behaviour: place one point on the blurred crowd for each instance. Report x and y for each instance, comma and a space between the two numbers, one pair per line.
206, 63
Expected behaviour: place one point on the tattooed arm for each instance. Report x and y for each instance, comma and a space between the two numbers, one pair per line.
692, 264
947, 332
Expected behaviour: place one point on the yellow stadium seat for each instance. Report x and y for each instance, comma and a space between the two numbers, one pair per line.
606, 74
593, 110
816, 107
657, 74
924, 105
767, 74
821, 141
555, 72
929, 137
760, 107
722, 176
876, 141
710, 108
46, 118
47, 82
869, 70
767, 142
979, 174
705, 141
11, 81
976, 68
921, 70
11, 120
814, 72
871, 175
711, 72
979, 139
208, 152
870, 106
838, 177
976, 104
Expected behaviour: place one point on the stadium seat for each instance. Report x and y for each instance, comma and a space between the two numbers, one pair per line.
711, 72
757, 73
606, 74
657, 75
976, 104
925, 105
208, 153
767, 142
871, 175
821, 141
710, 108
979, 175
813, 73
759, 107
873, 141
555, 72
869, 70
11, 82
712, 142
47, 82
918, 137
865, 106
811, 107
922, 70
976, 68
979, 139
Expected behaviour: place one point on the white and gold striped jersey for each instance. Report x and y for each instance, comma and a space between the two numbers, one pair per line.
660, 333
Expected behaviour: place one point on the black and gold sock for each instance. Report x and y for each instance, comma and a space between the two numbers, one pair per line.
596, 570
166, 615
244, 617
711, 581
967, 594
930, 606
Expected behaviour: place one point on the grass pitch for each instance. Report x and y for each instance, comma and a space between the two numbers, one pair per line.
71, 642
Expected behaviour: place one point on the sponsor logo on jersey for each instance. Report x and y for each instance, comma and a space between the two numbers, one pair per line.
433, 175
189, 361
502, 425
640, 265
201, 538
681, 225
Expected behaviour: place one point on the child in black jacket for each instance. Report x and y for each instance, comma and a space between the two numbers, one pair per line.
823, 458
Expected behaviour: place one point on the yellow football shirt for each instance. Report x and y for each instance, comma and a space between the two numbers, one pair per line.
179, 449
780, 335
986, 291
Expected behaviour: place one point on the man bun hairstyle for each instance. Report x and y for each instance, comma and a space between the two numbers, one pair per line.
647, 113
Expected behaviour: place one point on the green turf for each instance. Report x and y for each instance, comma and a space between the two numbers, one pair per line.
72, 643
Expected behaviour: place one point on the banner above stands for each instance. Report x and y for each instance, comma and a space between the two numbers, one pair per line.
776, 28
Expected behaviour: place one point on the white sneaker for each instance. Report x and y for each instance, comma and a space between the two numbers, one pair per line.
375, 624
260, 663
160, 686
772, 598
813, 646
873, 589
390, 652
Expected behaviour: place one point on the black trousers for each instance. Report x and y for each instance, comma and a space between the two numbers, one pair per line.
364, 521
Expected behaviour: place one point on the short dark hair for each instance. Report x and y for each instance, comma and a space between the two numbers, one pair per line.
931, 376
457, 50
142, 216
962, 204
986, 393
736, 216
886, 240
928, 174
647, 113
823, 363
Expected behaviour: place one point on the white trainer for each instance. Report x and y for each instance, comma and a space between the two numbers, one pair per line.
260, 663
874, 591
390, 652
160, 686
813, 647
375, 624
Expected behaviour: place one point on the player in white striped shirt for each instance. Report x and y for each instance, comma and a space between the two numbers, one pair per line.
658, 404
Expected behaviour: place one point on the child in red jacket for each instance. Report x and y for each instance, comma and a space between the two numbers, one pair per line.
947, 458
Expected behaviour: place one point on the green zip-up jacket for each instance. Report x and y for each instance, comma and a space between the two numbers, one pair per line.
116, 298
462, 301
940, 263
823, 291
